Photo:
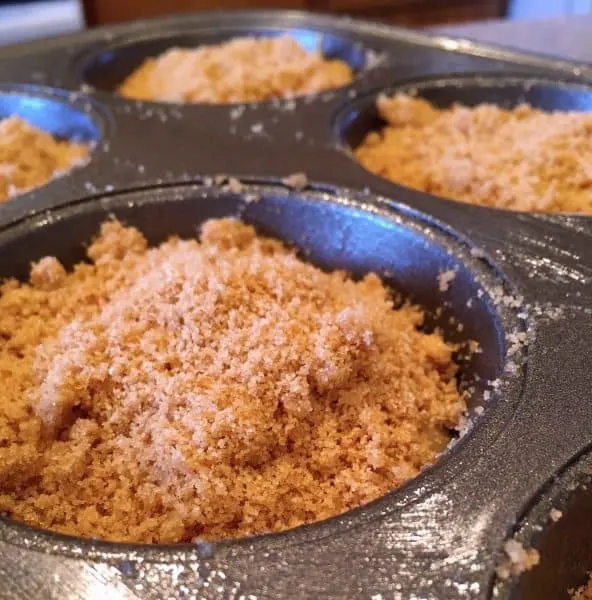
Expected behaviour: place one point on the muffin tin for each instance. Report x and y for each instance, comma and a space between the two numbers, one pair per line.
522, 288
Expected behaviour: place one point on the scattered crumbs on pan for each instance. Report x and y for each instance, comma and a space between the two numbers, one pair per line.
237, 112
517, 341
555, 514
210, 389
521, 159
296, 181
252, 198
257, 128
233, 185
477, 253
445, 279
518, 560
244, 69
374, 59
30, 157
289, 105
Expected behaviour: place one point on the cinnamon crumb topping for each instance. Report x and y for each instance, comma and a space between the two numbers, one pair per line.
244, 69
30, 157
520, 159
212, 389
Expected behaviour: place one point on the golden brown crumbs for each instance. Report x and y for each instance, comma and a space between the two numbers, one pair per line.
212, 389
30, 157
244, 69
521, 159
582, 593
519, 559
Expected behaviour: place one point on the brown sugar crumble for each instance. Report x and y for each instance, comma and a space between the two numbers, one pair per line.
245, 69
521, 159
30, 157
582, 593
518, 559
210, 389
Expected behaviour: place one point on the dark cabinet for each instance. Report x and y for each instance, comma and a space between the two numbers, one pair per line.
407, 12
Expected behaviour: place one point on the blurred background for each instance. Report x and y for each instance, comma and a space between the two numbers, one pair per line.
26, 19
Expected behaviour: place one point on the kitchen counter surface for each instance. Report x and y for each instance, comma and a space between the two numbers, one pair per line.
569, 38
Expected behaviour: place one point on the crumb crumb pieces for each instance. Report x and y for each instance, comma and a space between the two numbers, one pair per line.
296, 181
208, 389
582, 593
233, 186
519, 560
445, 279
463, 426
521, 159
244, 69
252, 198
478, 410
555, 515
517, 341
30, 157
237, 112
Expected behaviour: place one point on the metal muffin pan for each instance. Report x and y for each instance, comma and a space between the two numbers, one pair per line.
565, 543
441, 535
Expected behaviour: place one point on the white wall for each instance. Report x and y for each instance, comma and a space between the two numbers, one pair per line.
524, 9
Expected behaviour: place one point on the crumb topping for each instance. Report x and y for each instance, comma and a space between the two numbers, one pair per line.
245, 69
30, 157
210, 388
518, 559
582, 593
521, 159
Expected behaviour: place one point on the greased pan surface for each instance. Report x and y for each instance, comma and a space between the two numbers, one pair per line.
441, 535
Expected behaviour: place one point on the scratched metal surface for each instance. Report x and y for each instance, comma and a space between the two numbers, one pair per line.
441, 535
